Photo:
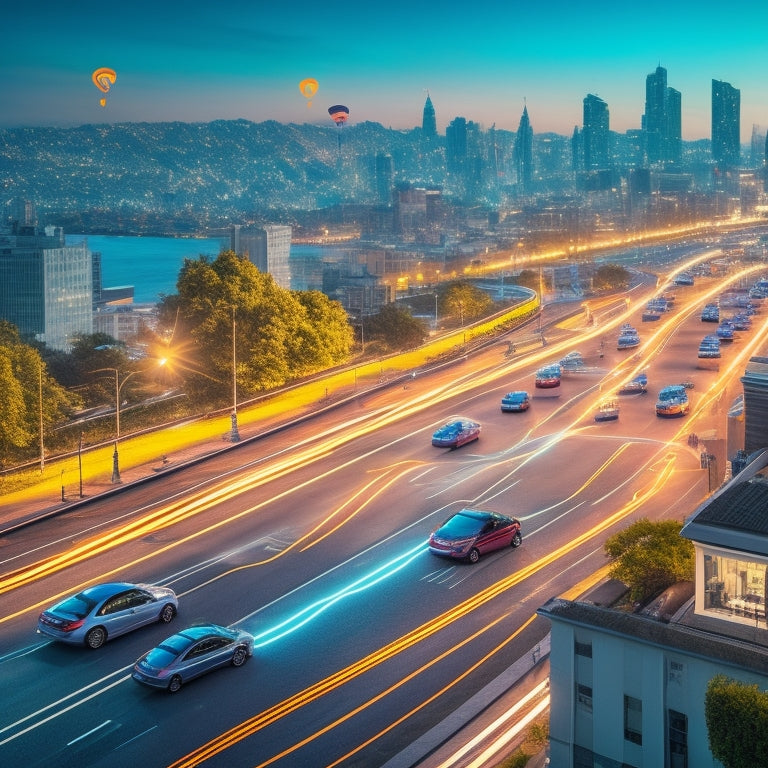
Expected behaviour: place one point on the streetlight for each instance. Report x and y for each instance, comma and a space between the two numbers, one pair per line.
40, 397
118, 388
234, 436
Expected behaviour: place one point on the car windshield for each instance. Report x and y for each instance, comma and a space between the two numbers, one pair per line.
671, 393
78, 605
516, 397
462, 526
169, 649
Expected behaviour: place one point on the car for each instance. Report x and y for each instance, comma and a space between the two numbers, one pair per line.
572, 361
607, 410
673, 401
472, 532
548, 376
457, 432
636, 386
515, 401
191, 653
103, 611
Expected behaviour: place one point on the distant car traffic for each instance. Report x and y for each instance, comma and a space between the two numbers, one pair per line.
191, 653
99, 613
673, 401
636, 386
457, 432
607, 410
471, 533
548, 377
515, 401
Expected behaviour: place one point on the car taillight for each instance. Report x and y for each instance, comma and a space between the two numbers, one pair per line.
70, 626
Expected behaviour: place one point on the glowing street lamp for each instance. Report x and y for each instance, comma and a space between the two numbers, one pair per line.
235, 432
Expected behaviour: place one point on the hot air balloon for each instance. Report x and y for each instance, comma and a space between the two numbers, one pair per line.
339, 114
103, 78
309, 87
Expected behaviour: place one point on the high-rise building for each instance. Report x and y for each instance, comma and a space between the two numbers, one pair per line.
596, 133
428, 121
456, 143
726, 125
523, 153
46, 286
662, 121
268, 248
385, 178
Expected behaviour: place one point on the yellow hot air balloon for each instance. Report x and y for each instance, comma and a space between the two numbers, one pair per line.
104, 78
309, 87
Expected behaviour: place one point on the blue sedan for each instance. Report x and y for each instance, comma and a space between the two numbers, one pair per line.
457, 432
191, 653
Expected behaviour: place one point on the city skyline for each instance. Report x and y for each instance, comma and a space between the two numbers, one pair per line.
199, 62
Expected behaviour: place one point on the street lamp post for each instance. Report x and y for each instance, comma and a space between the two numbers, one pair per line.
235, 432
118, 386
40, 397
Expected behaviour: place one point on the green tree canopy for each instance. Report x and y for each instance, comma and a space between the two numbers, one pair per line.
650, 556
464, 302
27, 396
279, 334
611, 276
396, 327
737, 723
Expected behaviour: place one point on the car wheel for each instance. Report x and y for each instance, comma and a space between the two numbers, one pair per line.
239, 657
167, 614
517, 539
174, 684
96, 637
473, 555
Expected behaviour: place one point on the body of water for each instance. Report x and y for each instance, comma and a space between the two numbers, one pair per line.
152, 264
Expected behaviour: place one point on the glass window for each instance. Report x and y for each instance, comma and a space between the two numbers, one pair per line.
583, 649
584, 697
633, 720
735, 589
678, 739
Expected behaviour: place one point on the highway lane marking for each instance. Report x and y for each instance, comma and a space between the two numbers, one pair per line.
137, 736
88, 733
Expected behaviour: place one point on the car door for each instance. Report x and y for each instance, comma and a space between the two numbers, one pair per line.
117, 614
208, 654
144, 607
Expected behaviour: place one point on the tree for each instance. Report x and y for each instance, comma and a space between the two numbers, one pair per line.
464, 302
279, 334
397, 327
28, 395
737, 723
650, 556
611, 276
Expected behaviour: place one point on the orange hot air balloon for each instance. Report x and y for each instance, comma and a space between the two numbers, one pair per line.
309, 87
104, 78
339, 114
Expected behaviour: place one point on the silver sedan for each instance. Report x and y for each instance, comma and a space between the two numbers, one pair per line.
104, 611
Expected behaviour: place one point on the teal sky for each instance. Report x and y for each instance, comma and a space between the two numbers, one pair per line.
200, 61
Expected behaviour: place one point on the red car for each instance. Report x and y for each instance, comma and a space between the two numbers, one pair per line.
472, 532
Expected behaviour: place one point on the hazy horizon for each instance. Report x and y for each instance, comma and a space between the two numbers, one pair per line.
200, 62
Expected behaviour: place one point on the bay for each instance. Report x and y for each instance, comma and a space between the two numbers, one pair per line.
150, 264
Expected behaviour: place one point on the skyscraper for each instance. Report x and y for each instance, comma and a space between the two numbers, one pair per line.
385, 178
523, 152
268, 247
595, 134
46, 286
428, 121
662, 121
726, 125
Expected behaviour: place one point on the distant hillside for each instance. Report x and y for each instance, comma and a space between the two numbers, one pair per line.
101, 177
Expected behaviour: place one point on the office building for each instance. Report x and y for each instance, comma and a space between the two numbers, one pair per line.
755, 382
46, 287
428, 120
268, 248
523, 153
726, 125
595, 135
385, 178
662, 121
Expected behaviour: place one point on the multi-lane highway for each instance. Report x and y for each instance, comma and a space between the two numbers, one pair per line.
314, 540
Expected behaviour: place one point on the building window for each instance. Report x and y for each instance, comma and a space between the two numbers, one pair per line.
678, 739
735, 588
584, 697
633, 720
583, 649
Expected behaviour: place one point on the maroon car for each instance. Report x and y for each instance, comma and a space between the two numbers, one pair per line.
472, 532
